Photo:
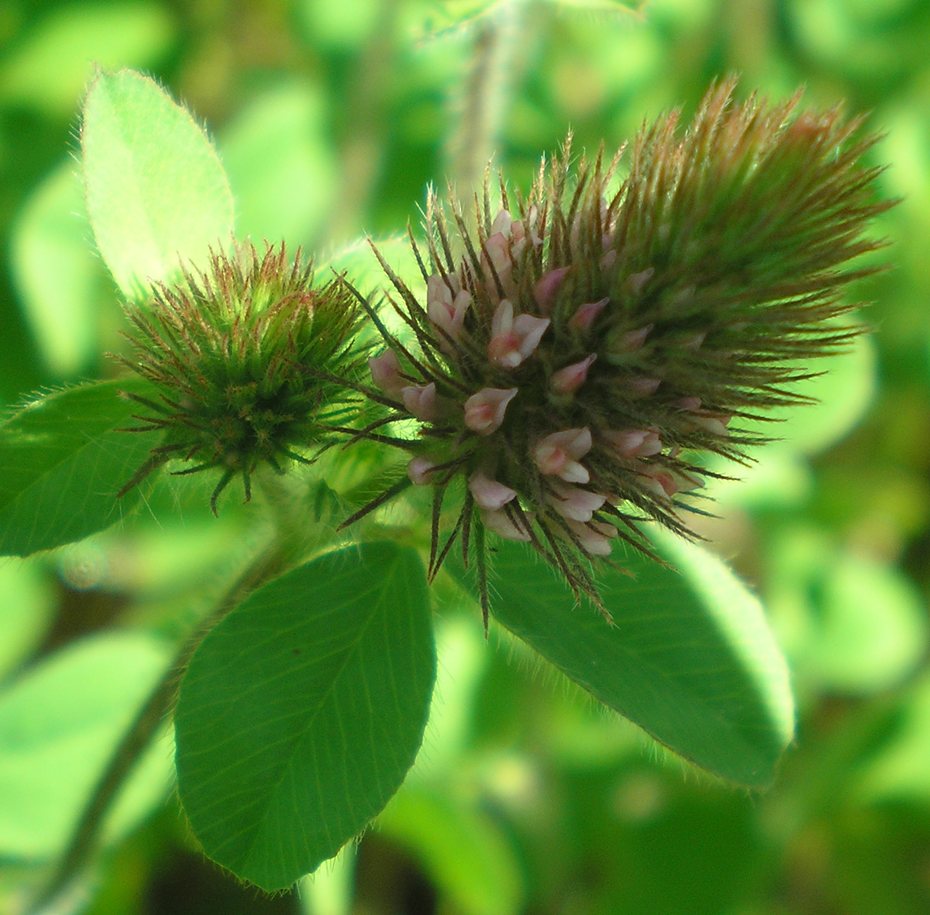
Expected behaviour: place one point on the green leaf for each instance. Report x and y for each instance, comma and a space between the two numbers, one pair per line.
27, 604
301, 712
58, 725
61, 305
281, 165
157, 195
689, 658
849, 623
841, 395
897, 770
472, 844
63, 458
50, 65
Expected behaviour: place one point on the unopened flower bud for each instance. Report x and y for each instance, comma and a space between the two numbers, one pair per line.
572, 377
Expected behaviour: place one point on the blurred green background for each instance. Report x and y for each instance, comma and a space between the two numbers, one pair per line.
331, 119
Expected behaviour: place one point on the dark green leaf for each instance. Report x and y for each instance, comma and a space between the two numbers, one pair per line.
689, 658
302, 711
63, 458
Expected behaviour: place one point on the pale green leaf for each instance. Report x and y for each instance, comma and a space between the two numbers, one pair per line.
281, 166
157, 194
59, 723
51, 65
59, 279
841, 395
27, 602
849, 623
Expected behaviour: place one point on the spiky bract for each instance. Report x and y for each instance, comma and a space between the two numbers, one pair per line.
576, 351
244, 357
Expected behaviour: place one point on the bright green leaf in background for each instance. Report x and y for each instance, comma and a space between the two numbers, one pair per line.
849, 623
302, 711
281, 166
157, 195
472, 845
50, 68
27, 602
59, 279
63, 459
898, 769
841, 395
59, 723
689, 658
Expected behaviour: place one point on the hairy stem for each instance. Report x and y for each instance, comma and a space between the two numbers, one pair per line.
482, 104
366, 125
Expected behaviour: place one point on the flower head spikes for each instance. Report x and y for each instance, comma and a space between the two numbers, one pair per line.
575, 353
245, 358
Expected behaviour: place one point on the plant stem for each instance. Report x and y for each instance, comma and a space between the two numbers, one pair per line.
482, 104
141, 732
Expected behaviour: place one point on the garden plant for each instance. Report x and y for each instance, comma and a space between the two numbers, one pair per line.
511, 427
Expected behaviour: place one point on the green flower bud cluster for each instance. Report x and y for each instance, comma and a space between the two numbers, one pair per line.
243, 358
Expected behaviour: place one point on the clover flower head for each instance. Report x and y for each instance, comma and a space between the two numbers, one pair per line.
585, 344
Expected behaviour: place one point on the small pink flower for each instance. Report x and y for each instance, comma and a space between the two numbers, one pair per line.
513, 340
557, 454
419, 470
506, 242
501, 524
634, 443
497, 254
501, 224
523, 231
636, 281
420, 400
488, 493
572, 377
642, 386
587, 314
575, 503
484, 411
665, 482
633, 340
715, 423
385, 372
446, 304
547, 286
594, 536
695, 341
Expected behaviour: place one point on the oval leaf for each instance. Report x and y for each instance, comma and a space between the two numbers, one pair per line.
61, 306
59, 723
157, 194
690, 658
301, 712
64, 459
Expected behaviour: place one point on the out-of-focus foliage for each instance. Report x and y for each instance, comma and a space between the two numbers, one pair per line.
331, 119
